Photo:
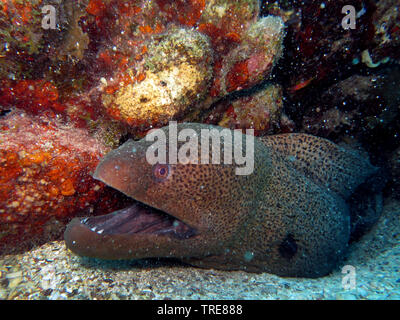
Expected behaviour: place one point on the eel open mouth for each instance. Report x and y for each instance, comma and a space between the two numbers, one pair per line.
139, 219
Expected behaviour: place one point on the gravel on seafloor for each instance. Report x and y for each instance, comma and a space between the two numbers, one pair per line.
53, 272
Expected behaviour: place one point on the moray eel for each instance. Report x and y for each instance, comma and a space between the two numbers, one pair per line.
291, 216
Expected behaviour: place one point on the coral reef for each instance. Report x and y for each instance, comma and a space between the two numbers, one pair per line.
180, 72
346, 105
261, 111
318, 48
162, 60
386, 41
361, 108
45, 178
113, 69
20, 33
252, 60
176, 76
107, 71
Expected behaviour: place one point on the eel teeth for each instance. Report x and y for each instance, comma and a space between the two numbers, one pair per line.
84, 220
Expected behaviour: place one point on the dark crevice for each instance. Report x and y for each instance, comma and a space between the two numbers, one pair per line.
4, 112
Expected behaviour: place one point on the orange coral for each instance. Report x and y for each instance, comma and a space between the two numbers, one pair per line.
145, 29
44, 174
187, 12
141, 77
261, 112
237, 76
31, 95
96, 7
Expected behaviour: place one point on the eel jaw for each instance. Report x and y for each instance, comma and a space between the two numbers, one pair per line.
125, 234
139, 219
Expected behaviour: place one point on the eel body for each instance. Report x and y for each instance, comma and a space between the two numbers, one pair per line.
291, 216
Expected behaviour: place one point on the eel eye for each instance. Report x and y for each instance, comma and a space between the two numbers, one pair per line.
160, 171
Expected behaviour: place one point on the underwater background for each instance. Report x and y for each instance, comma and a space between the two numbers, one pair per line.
80, 78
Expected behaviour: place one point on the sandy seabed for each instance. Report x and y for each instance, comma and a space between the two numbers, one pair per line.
53, 272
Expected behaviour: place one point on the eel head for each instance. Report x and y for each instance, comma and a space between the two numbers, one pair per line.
175, 213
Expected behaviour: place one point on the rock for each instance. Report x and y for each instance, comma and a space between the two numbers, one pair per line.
176, 76
394, 164
385, 44
45, 179
141, 63
261, 111
251, 61
362, 106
